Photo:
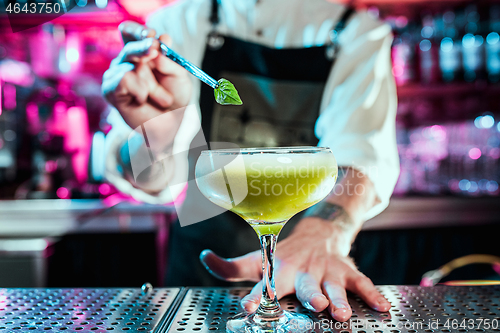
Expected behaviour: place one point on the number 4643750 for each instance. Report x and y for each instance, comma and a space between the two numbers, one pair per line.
478, 323
33, 8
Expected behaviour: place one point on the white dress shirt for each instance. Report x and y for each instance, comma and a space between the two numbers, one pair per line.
358, 107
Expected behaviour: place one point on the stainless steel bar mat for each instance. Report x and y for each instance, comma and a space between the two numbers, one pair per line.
415, 309
86, 310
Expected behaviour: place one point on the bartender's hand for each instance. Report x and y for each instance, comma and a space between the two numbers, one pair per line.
142, 84
313, 261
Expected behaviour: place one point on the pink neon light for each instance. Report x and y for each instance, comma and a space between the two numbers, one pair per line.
58, 123
495, 153
401, 21
496, 267
118, 197
62, 193
9, 95
104, 189
33, 117
438, 132
426, 282
475, 153
78, 141
50, 166
16, 72
397, 70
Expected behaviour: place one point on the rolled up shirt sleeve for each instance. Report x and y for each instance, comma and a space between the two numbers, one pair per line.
124, 146
116, 172
357, 119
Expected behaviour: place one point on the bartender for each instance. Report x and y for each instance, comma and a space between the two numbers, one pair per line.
309, 73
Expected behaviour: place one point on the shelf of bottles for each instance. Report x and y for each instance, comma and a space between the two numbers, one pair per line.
446, 63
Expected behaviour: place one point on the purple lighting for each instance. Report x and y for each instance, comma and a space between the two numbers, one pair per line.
475, 153
464, 185
16, 72
492, 186
51, 166
473, 187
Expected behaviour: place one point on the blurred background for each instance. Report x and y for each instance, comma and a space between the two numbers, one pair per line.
62, 225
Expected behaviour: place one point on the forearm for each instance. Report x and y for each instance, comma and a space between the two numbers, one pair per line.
340, 215
146, 154
152, 179
355, 194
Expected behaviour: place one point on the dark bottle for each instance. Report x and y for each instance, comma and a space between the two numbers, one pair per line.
450, 49
428, 52
493, 45
403, 52
473, 47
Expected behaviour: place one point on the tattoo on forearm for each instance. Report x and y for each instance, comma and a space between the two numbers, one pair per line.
331, 212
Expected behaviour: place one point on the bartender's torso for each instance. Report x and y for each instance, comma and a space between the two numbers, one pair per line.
271, 23
275, 54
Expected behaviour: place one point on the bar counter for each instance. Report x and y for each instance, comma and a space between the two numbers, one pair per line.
46, 218
414, 309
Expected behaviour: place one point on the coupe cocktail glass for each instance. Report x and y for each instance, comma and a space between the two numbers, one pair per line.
266, 187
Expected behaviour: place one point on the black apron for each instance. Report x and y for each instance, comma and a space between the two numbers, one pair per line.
281, 90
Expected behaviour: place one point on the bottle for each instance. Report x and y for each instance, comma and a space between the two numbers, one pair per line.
403, 52
473, 47
450, 49
428, 52
493, 45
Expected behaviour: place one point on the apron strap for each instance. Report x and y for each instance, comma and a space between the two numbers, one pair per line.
343, 19
334, 46
215, 41
214, 15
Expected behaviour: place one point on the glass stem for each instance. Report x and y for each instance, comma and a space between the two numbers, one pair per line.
269, 306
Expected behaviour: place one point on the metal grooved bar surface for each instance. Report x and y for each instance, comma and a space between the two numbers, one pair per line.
86, 310
415, 309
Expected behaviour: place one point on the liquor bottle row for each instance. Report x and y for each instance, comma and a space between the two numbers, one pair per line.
451, 46
458, 158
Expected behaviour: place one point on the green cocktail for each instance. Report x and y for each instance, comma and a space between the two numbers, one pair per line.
277, 186
266, 187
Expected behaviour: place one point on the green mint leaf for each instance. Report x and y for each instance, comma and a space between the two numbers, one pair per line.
226, 93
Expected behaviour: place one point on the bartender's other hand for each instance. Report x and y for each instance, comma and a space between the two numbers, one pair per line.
312, 263
141, 83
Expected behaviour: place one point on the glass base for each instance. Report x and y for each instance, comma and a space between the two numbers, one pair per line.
254, 323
